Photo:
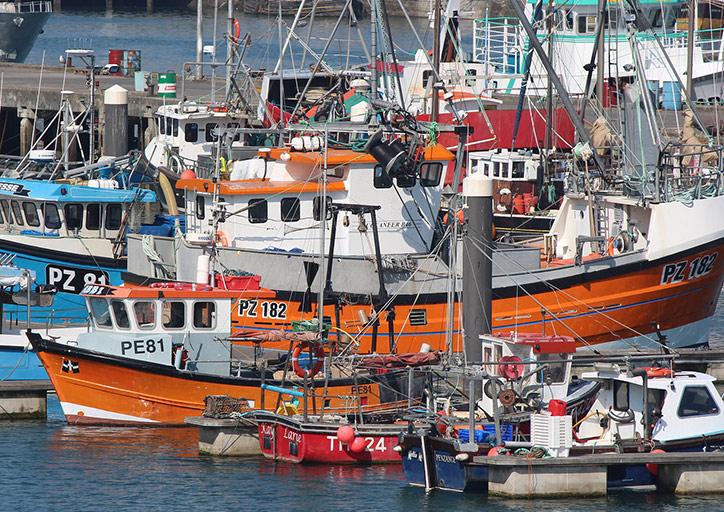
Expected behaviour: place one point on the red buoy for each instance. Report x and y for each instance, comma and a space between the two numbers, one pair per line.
345, 434
359, 445
188, 174
654, 468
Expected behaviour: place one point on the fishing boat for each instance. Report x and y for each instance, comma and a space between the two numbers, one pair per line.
20, 25
152, 354
70, 235
501, 44
356, 438
644, 410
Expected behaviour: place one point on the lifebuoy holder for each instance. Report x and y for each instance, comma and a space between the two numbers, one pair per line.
305, 365
511, 367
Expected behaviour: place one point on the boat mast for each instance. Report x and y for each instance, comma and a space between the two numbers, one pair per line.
373, 48
434, 112
562, 92
549, 93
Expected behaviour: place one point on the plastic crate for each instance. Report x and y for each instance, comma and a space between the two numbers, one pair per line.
486, 434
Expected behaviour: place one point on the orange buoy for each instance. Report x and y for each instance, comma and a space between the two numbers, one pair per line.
654, 468
359, 445
345, 434
188, 174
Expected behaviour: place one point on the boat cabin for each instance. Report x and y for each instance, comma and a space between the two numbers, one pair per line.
47, 209
680, 407
172, 324
534, 365
275, 204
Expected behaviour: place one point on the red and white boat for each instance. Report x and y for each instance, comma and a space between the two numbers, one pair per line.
327, 441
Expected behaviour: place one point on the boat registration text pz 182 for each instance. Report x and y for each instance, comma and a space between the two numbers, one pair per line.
699, 267
263, 308
73, 280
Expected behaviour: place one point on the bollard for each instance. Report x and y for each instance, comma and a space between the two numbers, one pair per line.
115, 130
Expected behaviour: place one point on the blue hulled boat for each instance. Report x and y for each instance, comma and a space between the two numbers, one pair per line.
71, 236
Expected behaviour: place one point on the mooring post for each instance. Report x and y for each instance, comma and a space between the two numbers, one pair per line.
149, 6
26, 116
115, 130
199, 39
477, 267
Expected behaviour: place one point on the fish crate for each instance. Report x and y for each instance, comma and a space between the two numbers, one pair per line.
223, 406
310, 326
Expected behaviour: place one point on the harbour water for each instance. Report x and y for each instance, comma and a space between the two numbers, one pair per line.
167, 39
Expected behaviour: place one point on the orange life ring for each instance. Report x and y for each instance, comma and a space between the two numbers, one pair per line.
317, 358
221, 239
653, 372
511, 367
236, 28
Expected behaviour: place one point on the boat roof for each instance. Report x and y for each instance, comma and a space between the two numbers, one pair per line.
540, 343
67, 193
653, 382
176, 290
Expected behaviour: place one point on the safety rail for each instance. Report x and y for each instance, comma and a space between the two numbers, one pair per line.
499, 42
38, 6
689, 172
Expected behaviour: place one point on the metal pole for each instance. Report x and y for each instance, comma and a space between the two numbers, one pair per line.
435, 102
289, 35
199, 39
92, 116
477, 265
690, 52
229, 44
373, 48
601, 54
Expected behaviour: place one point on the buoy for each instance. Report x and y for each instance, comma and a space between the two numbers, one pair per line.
188, 174
358, 445
494, 451
345, 434
654, 468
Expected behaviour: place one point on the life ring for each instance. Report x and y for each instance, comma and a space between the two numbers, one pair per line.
221, 239
236, 30
511, 367
653, 372
302, 350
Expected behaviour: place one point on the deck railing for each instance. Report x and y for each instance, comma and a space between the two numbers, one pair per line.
38, 6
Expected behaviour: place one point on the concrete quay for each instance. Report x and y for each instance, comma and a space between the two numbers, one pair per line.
228, 437
586, 475
24, 399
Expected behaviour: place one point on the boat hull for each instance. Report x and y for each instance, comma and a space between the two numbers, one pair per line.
288, 440
96, 388
18, 32
65, 265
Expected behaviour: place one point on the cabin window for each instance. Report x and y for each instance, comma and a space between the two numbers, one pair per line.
258, 211
211, 132
174, 315
18, 213
191, 132
290, 209
200, 207
234, 126
496, 169
73, 216
120, 314
6, 211
169, 126
101, 313
697, 401
51, 216
487, 357
174, 127
620, 396
430, 174
382, 179
426, 77
406, 181
568, 18
317, 208
556, 366
470, 75
93, 217
145, 312
204, 315
2, 221
113, 216
518, 170
31, 214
